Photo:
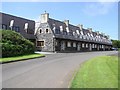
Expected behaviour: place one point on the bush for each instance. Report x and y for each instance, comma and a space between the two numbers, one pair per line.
14, 44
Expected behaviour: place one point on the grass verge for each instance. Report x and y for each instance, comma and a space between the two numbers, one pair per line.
99, 72
19, 58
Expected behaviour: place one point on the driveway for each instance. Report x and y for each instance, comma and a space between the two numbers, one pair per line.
52, 71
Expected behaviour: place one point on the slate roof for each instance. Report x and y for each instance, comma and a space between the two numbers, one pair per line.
72, 28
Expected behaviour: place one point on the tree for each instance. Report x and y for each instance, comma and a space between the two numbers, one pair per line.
116, 43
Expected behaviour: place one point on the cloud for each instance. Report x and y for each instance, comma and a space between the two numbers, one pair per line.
98, 8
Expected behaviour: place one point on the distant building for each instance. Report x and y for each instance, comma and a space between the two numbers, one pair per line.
61, 36
21, 25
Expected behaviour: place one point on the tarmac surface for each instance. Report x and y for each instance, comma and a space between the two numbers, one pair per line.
53, 71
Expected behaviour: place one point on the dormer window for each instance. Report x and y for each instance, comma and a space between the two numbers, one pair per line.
47, 31
87, 37
91, 35
67, 29
26, 27
77, 31
74, 33
11, 24
61, 28
81, 33
88, 34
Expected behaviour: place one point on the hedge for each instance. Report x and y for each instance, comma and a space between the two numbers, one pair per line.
14, 44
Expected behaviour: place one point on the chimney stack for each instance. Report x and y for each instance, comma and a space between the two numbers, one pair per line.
80, 26
66, 22
44, 17
90, 29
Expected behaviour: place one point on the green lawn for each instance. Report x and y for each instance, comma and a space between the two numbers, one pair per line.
20, 57
99, 72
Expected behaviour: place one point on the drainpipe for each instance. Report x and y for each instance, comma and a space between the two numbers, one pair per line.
53, 44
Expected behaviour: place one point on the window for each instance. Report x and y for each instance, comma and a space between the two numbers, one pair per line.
88, 34
40, 30
67, 29
84, 37
83, 45
102, 46
86, 45
91, 35
4, 27
87, 37
81, 33
80, 36
54, 29
17, 29
93, 46
74, 44
74, 33
11, 23
56, 43
69, 44
40, 43
47, 31
57, 31
77, 31
64, 32
61, 28
26, 26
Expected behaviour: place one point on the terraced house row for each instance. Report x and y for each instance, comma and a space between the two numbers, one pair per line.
57, 36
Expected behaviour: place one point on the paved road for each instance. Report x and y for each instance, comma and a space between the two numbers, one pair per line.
52, 71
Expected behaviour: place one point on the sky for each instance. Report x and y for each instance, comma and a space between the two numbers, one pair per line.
100, 16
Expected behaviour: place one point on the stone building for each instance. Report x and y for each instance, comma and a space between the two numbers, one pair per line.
21, 25
61, 36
